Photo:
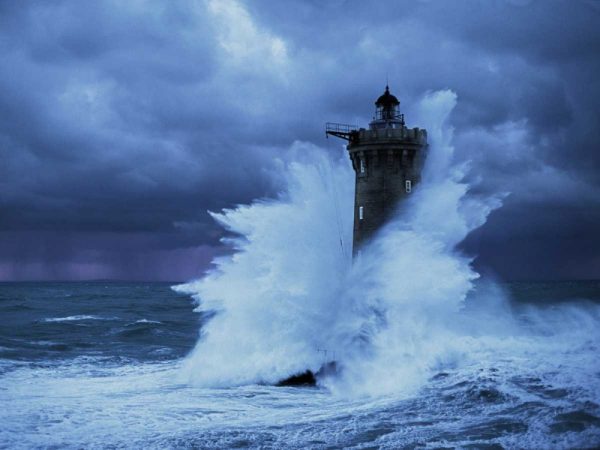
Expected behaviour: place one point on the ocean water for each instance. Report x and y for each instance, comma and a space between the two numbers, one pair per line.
95, 365
430, 354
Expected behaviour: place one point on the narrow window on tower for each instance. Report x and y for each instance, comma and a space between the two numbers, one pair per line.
362, 166
408, 185
360, 213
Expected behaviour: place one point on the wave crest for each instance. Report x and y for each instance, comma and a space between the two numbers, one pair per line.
291, 294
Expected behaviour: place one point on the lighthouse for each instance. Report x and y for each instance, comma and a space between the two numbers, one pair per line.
387, 159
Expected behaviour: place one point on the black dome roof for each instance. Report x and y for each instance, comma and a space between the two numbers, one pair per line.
387, 99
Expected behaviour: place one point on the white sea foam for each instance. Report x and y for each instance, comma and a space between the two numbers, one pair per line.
77, 318
291, 298
89, 402
290, 290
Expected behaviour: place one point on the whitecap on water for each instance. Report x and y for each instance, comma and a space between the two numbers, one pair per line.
78, 318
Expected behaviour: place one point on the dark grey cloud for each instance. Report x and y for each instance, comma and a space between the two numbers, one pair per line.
121, 124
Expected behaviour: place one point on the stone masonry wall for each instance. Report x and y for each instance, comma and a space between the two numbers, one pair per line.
390, 157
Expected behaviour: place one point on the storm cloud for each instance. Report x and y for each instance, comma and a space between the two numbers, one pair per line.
122, 123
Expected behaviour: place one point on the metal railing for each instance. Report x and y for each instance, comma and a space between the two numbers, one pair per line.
384, 115
341, 130
332, 127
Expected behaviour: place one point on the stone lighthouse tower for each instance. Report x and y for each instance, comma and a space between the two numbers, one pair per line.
387, 159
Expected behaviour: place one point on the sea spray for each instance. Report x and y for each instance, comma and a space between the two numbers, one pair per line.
279, 294
411, 282
289, 297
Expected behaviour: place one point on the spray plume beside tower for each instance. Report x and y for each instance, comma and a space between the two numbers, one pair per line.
387, 158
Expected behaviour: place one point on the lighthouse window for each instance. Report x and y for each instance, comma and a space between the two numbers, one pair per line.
408, 185
360, 213
362, 166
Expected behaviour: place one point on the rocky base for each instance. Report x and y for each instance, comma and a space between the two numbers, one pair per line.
309, 378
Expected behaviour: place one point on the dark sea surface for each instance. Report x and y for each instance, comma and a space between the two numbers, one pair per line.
97, 365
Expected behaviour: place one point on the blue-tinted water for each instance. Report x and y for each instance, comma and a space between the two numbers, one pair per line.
87, 365
143, 322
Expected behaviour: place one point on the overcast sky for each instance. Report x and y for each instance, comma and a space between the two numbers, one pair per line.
122, 123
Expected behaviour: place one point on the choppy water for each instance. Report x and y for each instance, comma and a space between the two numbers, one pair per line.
98, 365
431, 355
